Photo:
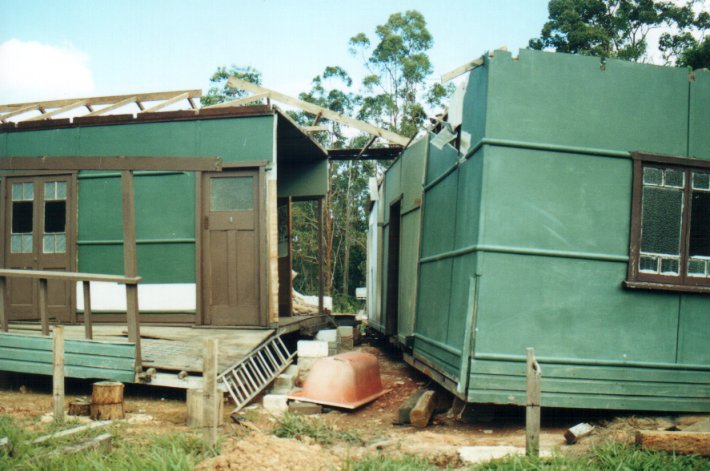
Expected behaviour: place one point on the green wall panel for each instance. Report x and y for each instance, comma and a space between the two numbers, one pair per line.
166, 263
100, 210
237, 140
105, 258
439, 161
699, 136
564, 99
557, 201
408, 258
177, 138
468, 213
412, 173
571, 308
440, 216
393, 187
49, 142
165, 206
302, 179
694, 330
476, 104
433, 300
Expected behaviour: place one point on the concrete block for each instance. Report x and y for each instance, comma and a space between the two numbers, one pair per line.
284, 382
304, 367
275, 402
305, 408
345, 331
312, 349
329, 335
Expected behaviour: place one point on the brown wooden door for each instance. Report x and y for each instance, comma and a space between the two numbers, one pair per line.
230, 249
38, 236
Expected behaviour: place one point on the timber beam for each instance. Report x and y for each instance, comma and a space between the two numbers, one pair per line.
319, 111
122, 163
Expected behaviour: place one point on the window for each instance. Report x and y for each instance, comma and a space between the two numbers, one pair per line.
22, 215
670, 230
54, 239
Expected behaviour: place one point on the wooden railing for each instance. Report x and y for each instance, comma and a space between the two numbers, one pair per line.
131, 283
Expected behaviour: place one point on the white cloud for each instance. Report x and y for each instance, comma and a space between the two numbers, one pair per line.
32, 71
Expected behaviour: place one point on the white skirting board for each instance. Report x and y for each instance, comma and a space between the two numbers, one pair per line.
163, 297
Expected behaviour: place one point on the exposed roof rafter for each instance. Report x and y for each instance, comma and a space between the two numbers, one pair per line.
319, 110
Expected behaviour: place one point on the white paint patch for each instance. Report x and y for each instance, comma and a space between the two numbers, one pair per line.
151, 297
31, 70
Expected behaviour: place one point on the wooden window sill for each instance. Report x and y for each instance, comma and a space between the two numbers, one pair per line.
666, 287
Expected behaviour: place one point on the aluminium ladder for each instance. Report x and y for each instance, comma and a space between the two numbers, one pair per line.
253, 373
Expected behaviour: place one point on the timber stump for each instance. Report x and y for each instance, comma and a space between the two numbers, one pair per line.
107, 401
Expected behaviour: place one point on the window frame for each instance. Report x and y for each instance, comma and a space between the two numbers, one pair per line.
681, 282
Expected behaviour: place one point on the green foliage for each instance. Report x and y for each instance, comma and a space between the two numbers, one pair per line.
398, 65
156, 452
380, 462
619, 28
221, 92
298, 426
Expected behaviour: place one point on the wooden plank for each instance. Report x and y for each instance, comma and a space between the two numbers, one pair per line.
573, 434
68, 276
167, 102
102, 440
88, 328
70, 359
102, 100
423, 410
44, 319
238, 102
118, 163
18, 111
71, 431
57, 111
462, 69
3, 315
315, 109
210, 394
311, 129
321, 254
58, 374
684, 443
532, 409
106, 109
69, 371
130, 261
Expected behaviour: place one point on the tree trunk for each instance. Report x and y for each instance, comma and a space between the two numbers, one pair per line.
346, 231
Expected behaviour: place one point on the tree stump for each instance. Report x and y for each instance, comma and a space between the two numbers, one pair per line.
107, 401
79, 408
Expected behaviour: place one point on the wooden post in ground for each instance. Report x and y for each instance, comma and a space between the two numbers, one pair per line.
43, 316
58, 373
321, 274
3, 315
211, 396
532, 409
130, 262
88, 328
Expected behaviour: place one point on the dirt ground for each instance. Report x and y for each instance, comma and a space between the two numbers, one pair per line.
161, 410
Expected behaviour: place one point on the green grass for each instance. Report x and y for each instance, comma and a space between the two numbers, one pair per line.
381, 462
608, 456
127, 452
297, 426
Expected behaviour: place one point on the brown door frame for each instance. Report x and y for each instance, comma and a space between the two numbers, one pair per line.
260, 167
393, 241
72, 222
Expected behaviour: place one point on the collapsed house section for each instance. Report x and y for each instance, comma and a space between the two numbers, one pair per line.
565, 210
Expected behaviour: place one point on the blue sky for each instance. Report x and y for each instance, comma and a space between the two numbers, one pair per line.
73, 48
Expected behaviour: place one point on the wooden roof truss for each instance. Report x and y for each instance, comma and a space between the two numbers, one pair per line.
51, 109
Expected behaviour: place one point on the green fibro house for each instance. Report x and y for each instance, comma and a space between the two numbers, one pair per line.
160, 217
204, 238
565, 206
